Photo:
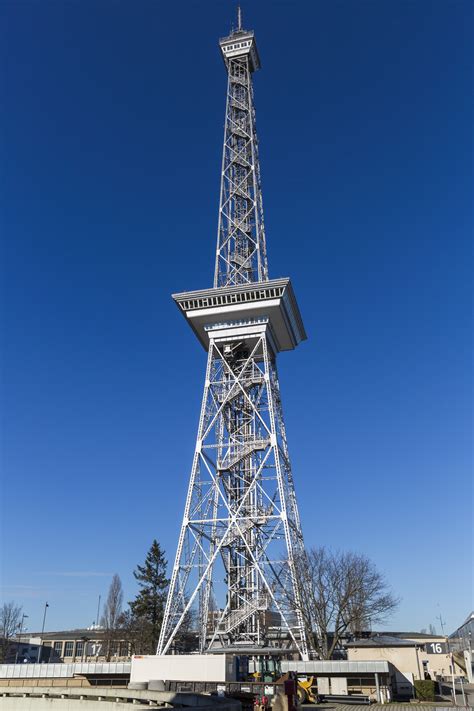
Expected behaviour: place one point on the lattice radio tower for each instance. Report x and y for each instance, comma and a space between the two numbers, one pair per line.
241, 533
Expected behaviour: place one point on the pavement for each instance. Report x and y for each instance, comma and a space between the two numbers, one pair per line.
446, 703
468, 693
393, 706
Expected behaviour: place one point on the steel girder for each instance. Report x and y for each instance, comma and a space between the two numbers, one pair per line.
241, 250
241, 530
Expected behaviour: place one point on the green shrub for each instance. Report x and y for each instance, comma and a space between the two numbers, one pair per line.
425, 689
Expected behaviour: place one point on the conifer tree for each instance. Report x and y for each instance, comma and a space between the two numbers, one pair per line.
148, 607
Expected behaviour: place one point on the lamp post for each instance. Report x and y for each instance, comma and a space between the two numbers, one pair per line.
23, 617
84, 646
42, 632
98, 612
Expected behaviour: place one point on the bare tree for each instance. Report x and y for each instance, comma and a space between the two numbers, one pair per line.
135, 630
10, 615
342, 594
186, 640
112, 616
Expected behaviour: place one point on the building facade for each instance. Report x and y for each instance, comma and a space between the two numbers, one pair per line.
68, 646
412, 656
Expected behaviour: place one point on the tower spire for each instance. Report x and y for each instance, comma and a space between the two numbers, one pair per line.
239, 18
241, 250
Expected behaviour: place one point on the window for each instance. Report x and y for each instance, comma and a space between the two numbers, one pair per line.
124, 649
58, 649
68, 649
79, 649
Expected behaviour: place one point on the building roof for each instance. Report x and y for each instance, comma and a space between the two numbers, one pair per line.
410, 635
383, 640
69, 634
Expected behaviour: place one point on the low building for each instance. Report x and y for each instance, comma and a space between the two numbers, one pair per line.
79, 645
412, 655
434, 652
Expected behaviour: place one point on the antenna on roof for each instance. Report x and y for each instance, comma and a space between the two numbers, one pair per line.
239, 17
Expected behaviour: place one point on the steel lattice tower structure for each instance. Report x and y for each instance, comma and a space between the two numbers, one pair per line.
241, 531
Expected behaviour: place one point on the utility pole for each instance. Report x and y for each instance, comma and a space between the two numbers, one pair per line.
462, 692
452, 678
42, 632
442, 625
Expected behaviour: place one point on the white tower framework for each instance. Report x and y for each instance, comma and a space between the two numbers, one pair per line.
241, 532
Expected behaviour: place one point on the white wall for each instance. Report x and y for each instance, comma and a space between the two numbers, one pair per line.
182, 667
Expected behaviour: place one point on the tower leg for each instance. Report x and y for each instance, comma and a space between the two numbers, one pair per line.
240, 510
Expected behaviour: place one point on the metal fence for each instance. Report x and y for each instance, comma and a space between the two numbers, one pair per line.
53, 671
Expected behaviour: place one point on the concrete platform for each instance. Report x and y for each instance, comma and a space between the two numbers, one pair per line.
392, 706
67, 698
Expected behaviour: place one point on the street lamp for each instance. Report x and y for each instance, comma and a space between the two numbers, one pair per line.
42, 632
23, 617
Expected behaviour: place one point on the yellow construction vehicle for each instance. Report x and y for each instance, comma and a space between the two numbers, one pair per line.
306, 691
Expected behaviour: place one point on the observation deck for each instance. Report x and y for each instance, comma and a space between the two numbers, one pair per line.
271, 302
239, 44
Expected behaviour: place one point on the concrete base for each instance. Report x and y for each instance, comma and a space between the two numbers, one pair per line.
155, 685
71, 699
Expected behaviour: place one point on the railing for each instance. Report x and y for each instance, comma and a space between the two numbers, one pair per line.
232, 534
236, 617
235, 257
256, 446
50, 671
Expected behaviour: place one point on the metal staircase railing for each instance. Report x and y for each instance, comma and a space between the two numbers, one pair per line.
233, 533
237, 617
246, 450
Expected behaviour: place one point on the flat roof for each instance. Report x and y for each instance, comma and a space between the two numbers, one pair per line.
333, 666
67, 634
382, 641
409, 635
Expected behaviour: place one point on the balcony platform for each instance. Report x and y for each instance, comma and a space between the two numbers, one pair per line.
271, 301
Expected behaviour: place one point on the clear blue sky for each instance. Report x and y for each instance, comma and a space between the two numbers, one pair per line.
111, 142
